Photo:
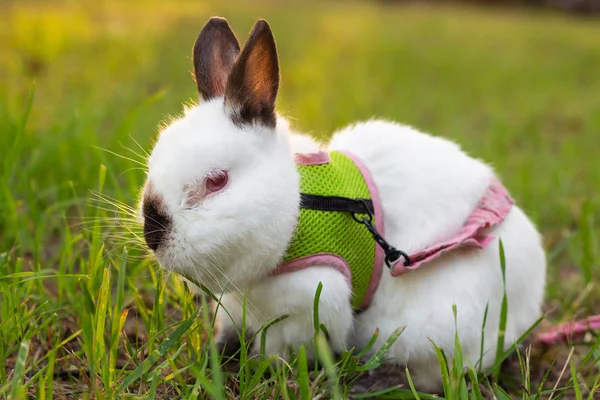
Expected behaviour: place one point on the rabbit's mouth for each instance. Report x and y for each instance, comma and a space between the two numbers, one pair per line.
202, 265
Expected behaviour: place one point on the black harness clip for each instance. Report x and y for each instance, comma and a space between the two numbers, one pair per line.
355, 207
392, 254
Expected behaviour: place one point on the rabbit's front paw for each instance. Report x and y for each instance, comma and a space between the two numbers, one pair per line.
228, 326
227, 341
284, 338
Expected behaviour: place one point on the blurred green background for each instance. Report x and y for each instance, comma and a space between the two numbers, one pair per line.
519, 88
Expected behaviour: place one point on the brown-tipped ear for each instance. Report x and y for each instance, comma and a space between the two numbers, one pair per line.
254, 80
215, 51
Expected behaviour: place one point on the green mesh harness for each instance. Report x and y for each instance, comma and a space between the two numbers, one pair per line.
340, 225
335, 195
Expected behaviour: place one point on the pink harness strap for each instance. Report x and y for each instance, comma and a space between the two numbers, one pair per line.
491, 210
570, 331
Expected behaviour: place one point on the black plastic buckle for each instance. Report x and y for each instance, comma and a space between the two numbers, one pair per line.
392, 254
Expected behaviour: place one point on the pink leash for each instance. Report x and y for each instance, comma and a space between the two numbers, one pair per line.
570, 331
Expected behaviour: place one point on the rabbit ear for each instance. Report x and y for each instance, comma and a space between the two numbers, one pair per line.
215, 51
254, 79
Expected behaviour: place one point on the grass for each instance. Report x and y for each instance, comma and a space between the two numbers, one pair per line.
84, 313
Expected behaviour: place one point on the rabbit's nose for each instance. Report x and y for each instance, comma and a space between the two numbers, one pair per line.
156, 224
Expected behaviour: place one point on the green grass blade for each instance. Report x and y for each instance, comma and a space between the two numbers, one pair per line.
445, 371
369, 345
378, 358
594, 388
501, 393
503, 314
171, 341
542, 384
457, 369
480, 361
118, 318
575, 381
215, 361
101, 313
263, 334
475, 390
316, 322
48, 381
326, 357
588, 241
514, 346
412, 385
18, 390
15, 148
243, 353
259, 372
303, 383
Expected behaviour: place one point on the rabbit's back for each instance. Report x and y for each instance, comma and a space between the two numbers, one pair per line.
428, 188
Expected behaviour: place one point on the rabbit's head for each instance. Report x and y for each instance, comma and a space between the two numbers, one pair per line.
221, 197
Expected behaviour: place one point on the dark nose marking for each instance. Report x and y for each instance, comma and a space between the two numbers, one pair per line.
156, 222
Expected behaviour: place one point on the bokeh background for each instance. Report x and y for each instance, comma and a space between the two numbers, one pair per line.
515, 83
516, 87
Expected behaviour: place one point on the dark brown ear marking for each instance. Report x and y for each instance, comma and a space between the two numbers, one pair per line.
254, 79
215, 51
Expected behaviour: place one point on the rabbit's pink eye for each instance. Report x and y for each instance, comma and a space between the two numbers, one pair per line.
216, 182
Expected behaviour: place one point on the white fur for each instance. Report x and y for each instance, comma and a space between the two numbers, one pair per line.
234, 237
428, 187
231, 240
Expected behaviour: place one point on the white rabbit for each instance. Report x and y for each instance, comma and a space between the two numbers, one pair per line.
221, 203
